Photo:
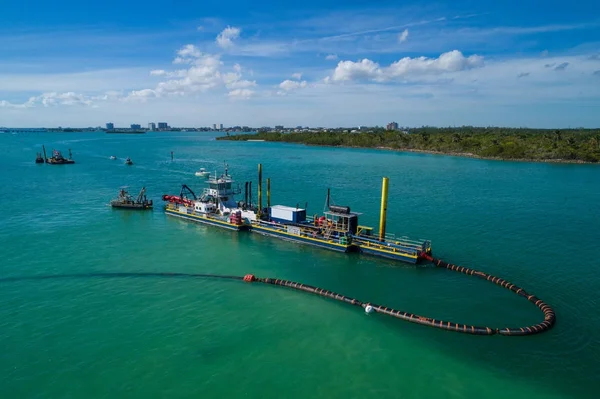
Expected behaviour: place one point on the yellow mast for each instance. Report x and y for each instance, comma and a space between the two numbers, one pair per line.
259, 190
383, 213
268, 192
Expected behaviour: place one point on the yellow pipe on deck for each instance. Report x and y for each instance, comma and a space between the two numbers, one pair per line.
259, 190
268, 192
383, 213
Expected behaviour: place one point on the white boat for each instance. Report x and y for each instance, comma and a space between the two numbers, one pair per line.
202, 173
113, 157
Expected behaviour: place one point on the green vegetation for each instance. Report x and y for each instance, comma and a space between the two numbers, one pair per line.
567, 145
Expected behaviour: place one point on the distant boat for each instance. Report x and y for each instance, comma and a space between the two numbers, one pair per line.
202, 173
128, 161
39, 158
113, 157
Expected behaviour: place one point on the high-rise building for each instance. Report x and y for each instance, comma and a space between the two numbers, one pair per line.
392, 126
136, 126
214, 126
220, 126
110, 126
151, 126
163, 125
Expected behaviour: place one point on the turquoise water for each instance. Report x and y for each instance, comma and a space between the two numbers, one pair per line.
536, 225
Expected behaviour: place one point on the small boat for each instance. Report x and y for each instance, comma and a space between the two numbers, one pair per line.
128, 161
202, 173
39, 158
113, 157
125, 200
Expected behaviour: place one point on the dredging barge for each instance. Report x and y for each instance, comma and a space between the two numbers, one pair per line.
126, 201
337, 229
57, 158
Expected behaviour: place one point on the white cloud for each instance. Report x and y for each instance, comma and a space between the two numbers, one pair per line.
290, 85
158, 72
227, 36
403, 36
205, 73
241, 84
51, 99
241, 93
187, 54
233, 80
142, 95
452, 61
364, 69
297, 75
331, 57
189, 50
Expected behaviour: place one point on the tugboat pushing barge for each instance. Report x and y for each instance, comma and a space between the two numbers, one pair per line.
216, 206
337, 229
125, 200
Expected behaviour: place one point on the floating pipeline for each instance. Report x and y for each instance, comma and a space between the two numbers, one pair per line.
548, 323
549, 315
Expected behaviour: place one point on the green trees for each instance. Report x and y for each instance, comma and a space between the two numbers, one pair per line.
488, 142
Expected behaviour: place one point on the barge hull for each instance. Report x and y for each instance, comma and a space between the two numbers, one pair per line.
207, 221
300, 239
389, 255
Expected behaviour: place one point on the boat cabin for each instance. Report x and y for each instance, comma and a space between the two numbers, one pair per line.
205, 207
338, 221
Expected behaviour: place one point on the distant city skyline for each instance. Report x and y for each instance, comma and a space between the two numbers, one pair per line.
332, 64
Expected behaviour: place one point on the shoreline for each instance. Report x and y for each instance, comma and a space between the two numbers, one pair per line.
455, 154
475, 156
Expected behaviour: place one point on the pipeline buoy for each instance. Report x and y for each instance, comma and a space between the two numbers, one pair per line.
368, 309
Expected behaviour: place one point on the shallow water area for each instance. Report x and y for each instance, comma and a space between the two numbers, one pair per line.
532, 224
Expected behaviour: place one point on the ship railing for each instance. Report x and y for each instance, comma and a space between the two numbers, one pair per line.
413, 247
390, 238
403, 240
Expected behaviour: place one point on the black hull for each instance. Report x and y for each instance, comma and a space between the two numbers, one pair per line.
61, 163
135, 207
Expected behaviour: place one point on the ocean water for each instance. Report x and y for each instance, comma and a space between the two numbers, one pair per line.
536, 225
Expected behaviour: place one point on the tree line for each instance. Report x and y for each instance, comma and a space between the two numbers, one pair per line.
486, 142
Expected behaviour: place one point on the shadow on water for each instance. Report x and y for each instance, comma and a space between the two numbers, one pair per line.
115, 275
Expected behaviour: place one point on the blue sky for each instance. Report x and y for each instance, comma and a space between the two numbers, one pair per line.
321, 63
